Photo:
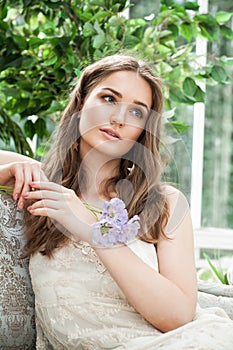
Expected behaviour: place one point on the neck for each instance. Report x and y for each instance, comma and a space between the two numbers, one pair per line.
98, 168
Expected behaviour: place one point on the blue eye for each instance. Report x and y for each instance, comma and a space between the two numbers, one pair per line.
137, 113
109, 99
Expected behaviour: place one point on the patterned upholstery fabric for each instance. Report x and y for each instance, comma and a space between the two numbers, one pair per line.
216, 295
17, 323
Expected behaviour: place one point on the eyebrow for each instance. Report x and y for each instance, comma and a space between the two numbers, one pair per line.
117, 93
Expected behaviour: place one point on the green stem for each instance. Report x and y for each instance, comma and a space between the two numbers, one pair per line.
95, 210
6, 189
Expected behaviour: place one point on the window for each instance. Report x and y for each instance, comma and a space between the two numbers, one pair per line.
207, 147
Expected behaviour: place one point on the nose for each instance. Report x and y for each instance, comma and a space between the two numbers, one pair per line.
118, 115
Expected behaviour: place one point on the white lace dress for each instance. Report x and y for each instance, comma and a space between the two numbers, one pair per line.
79, 306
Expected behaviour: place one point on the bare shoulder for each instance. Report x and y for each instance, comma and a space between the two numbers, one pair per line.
9, 157
173, 194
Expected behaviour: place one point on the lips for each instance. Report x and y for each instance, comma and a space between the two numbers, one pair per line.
110, 133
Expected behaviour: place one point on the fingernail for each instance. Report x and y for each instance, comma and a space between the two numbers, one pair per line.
15, 197
20, 205
25, 194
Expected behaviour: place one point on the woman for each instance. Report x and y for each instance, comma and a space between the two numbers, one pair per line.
125, 296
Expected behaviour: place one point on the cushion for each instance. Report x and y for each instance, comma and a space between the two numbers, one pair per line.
216, 295
17, 322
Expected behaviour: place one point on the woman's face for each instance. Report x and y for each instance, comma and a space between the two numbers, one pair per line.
114, 114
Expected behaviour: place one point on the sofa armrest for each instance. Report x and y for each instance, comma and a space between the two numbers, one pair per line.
17, 322
216, 295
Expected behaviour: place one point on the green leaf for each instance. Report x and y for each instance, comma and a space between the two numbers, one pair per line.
226, 279
189, 86
176, 95
100, 15
98, 41
207, 32
164, 68
85, 16
97, 55
41, 150
188, 31
27, 2
98, 29
21, 104
130, 41
13, 61
88, 29
191, 6
208, 26
40, 127
168, 114
3, 26
181, 54
77, 72
29, 128
218, 73
3, 10
171, 33
50, 61
36, 42
215, 270
199, 95
227, 32
21, 42
27, 62
97, 3
226, 60
180, 126
223, 16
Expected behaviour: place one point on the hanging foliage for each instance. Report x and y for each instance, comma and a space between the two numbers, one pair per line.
44, 45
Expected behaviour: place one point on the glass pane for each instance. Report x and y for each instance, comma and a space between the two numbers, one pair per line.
217, 208
178, 169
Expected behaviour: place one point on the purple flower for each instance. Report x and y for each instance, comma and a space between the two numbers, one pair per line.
115, 211
114, 226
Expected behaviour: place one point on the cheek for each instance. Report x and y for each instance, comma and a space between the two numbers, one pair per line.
88, 121
134, 133
92, 118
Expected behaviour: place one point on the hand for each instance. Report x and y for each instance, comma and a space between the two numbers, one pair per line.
20, 175
62, 205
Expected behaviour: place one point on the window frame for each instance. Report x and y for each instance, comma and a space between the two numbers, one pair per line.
204, 237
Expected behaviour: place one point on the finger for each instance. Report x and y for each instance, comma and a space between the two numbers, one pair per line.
42, 194
38, 174
43, 177
26, 186
52, 214
22, 174
46, 185
43, 212
18, 174
45, 203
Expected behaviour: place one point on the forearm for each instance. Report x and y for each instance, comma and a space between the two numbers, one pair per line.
155, 297
9, 157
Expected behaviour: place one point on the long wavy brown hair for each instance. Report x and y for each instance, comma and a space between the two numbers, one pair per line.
141, 166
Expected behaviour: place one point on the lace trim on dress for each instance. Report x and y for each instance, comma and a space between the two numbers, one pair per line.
91, 255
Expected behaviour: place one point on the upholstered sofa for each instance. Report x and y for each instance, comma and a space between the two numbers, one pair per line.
17, 322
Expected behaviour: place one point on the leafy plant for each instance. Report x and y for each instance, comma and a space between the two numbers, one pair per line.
217, 272
44, 45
